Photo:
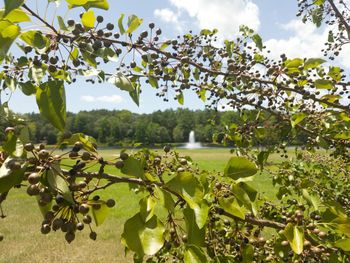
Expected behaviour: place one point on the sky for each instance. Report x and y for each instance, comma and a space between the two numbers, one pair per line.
274, 20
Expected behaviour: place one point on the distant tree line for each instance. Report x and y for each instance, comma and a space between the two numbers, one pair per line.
124, 127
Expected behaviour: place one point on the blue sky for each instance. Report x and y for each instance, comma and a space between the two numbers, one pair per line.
274, 20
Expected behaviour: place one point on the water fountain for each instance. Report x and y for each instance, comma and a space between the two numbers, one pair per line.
192, 144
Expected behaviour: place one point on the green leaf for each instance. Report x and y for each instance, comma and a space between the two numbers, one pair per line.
164, 45
248, 253
324, 84
343, 244
87, 141
164, 198
345, 135
51, 100
295, 236
294, 63
180, 98
58, 183
196, 73
143, 238
135, 94
120, 24
336, 209
317, 16
319, 2
202, 94
36, 39
231, 206
262, 158
88, 19
44, 209
133, 167
191, 190
101, 4
297, 118
100, 212
15, 16
194, 254
313, 63
240, 167
311, 199
205, 32
195, 235
9, 178
246, 195
28, 88
258, 57
122, 82
186, 182
201, 209
12, 5
147, 205
87, 4
133, 23
8, 33
74, 54
153, 81
335, 73
9, 145
37, 74
89, 57
258, 41
61, 23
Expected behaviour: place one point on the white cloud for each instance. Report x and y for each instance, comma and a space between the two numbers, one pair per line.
224, 15
106, 99
305, 41
169, 16
166, 15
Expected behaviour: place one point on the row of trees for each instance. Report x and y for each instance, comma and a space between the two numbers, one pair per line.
124, 127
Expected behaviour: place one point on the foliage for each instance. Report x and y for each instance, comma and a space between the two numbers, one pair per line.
187, 214
160, 127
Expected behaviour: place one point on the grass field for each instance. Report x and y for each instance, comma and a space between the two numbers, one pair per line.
24, 243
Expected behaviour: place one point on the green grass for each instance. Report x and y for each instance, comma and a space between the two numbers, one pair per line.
24, 243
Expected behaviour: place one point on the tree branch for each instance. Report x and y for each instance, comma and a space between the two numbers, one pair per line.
340, 17
256, 221
40, 18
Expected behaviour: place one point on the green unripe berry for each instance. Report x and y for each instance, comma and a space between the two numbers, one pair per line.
93, 235
73, 155
33, 190
99, 19
124, 156
80, 226
183, 161
110, 203
84, 209
57, 224
110, 26
85, 156
29, 147
45, 229
167, 148
119, 164
71, 22
87, 219
70, 236
34, 178
43, 154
